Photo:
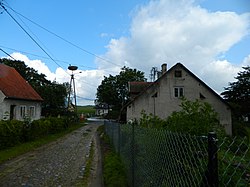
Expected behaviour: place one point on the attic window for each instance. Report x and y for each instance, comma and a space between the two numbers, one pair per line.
202, 96
178, 73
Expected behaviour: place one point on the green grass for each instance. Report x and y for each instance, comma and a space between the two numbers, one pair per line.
20, 149
114, 173
86, 110
88, 166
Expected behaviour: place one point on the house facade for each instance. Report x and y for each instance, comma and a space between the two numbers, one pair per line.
102, 109
18, 100
163, 97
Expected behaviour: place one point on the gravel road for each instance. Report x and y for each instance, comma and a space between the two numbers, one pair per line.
60, 163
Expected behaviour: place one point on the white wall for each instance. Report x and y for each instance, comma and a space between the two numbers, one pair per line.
165, 103
5, 106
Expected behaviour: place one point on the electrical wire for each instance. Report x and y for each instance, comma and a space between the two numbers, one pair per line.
63, 61
31, 37
65, 40
7, 54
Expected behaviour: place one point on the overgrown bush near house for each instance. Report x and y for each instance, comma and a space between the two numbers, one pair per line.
151, 121
10, 133
195, 117
56, 124
14, 132
38, 129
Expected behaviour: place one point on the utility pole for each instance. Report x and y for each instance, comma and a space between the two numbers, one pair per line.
72, 83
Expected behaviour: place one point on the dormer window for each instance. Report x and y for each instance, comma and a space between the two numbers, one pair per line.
177, 73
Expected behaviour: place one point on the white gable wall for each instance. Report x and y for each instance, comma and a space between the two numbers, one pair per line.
165, 103
31, 109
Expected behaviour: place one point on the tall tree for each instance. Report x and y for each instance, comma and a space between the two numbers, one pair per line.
238, 94
114, 89
53, 94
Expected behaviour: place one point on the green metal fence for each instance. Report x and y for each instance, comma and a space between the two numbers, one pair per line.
155, 157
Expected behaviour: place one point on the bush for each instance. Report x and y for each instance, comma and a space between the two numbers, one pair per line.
11, 133
14, 132
195, 117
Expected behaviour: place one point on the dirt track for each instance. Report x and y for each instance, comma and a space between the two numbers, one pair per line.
61, 163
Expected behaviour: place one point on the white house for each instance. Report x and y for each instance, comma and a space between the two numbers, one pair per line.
162, 97
18, 99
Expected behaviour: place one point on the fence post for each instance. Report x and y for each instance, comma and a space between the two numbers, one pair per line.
212, 178
119, 139
133, 154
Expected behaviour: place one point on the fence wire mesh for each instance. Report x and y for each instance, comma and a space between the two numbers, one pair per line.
155, 157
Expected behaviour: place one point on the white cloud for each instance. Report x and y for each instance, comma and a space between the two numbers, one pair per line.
246, 61
86, 82
166, 31
169, 31
35, 64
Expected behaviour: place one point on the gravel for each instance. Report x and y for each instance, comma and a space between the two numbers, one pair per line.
61, 163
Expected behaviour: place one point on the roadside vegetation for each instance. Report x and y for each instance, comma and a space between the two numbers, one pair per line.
114, 173
17, 137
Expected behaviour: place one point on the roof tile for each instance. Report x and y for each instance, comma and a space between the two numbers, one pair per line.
14, 86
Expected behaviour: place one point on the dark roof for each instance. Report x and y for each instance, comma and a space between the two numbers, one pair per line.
137, 87
14, 86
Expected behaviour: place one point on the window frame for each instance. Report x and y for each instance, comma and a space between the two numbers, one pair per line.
22, 111
178, 91
33, 109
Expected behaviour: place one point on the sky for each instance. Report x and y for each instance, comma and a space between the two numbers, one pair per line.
210, 37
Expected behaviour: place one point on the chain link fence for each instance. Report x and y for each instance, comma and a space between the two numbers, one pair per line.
154, 157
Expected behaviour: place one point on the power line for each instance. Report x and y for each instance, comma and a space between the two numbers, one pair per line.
65, 40
7, 54
30, 36
63, 61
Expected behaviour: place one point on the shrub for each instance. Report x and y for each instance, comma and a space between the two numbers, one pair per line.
195, 117
14, 132
11, 133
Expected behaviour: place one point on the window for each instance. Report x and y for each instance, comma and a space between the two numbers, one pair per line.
32, 111
178, 92
177, 73
202, 96
22, 111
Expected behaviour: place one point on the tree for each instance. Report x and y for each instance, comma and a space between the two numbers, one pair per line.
195, 117
238, 94
53, 94
114, 89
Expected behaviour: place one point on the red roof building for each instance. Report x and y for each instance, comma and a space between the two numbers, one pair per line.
17, 97
14, 86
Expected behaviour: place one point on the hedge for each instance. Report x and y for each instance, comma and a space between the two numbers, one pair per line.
15, 132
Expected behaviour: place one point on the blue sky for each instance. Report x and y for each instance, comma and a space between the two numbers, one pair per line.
210, 37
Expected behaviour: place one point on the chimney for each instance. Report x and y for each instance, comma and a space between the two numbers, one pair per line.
163, 68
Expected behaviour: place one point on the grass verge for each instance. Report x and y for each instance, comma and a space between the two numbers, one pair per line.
114, 174
88, 166
17, 150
